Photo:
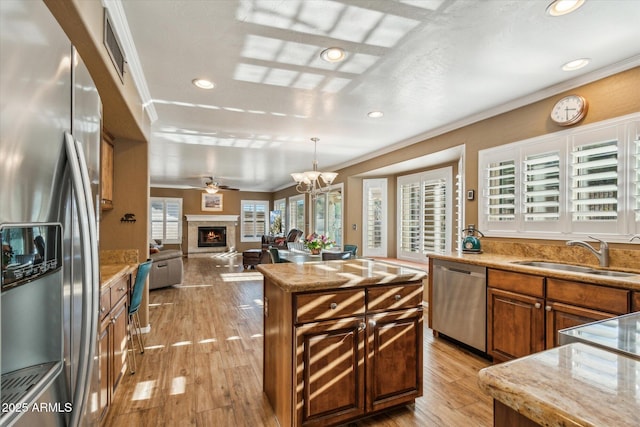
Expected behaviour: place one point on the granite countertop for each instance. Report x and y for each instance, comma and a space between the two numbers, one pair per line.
292, 277
576, 384
620, 334
109, 273
506, 262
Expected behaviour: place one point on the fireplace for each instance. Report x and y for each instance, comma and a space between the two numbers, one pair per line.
212, 237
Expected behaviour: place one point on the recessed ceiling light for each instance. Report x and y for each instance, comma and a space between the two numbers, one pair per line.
333, 54
203, 83
375, 114
576, 64
562, 7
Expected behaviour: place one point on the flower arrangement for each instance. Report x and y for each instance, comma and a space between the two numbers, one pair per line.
315, 242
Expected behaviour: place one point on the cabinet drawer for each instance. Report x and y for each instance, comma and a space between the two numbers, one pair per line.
516, 282
105, 302
394, 297
328, 305
596, 297
119, 290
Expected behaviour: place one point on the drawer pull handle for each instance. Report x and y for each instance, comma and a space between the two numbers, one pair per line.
121, 289
537, 305
397, 297
362, 326
548, 308
103, 309
333, 306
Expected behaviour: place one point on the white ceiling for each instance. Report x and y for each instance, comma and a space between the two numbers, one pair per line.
428, 65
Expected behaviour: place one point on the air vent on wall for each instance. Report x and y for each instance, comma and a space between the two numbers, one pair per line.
113, 46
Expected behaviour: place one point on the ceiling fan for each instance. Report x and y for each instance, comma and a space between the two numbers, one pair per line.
212, 187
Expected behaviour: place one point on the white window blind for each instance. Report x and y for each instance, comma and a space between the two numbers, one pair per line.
410, 217
254, 220
595, 181
374, 217
566, 185
166, 219
542, 187
435, 215
425, 213
501, 189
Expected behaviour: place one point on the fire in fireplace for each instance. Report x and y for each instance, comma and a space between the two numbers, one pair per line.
212, 237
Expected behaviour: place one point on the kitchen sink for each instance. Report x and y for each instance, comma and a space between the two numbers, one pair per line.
574, 268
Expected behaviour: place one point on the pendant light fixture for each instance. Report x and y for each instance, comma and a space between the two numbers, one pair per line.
313, 182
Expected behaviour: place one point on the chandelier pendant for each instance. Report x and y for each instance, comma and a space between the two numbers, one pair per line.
314, 182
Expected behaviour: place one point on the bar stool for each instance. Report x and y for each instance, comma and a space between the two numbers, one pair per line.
134, 306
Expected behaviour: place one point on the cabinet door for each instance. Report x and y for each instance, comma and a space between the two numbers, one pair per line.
119, 343
561, 316
394, 358
103, 364
330, 371
106, 174
515, 324
635, 303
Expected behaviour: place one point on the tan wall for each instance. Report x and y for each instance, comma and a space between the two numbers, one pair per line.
130, 195
608, 98
192, 203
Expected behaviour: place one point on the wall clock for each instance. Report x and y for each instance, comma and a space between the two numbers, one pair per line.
569, 110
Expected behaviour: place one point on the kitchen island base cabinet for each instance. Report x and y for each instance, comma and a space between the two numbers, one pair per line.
504, 416
329, 359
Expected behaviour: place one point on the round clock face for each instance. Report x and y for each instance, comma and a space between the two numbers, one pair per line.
569, 110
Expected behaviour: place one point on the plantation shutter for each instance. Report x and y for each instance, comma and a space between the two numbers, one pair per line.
254, 220
542, 187
595, 181
374, 216
166, 219
501, 190
636, 177
435, 215
410, 217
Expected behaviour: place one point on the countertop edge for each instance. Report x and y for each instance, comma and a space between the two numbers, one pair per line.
110, 273
506, 262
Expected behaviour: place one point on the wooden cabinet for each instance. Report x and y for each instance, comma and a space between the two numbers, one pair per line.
106, 173
525, 312
570, 304
338, 355
635, 303
112, 339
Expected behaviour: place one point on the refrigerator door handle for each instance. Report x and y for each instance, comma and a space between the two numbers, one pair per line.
88, 239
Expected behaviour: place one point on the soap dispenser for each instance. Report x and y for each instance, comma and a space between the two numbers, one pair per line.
471, 240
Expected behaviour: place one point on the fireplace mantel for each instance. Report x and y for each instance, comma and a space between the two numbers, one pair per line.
212, 218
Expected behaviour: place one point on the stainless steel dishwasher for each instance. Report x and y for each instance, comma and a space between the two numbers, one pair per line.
459, 302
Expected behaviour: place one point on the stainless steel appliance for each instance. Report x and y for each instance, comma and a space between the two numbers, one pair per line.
459, 302
49, 177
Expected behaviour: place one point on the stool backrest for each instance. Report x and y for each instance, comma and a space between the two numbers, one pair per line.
335, 255
138, 286
275, 255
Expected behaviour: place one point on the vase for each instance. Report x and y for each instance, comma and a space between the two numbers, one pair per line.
315, 251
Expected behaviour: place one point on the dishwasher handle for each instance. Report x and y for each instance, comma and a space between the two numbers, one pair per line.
456, 270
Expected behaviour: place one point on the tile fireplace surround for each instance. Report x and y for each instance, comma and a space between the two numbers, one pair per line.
195, 221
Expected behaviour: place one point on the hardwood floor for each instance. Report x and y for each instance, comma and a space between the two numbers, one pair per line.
203, 362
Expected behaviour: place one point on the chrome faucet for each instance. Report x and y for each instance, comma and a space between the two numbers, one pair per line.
602, 254
635, 236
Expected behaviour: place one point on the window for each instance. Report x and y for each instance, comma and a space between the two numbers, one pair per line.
425, 213
254, 220
328, 214
281, 206
374, 223
166, 219
564, 185
296, 212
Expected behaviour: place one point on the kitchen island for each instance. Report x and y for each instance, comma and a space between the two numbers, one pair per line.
342, 339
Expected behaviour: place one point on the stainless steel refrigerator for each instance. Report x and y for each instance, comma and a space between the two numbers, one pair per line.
50, 127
